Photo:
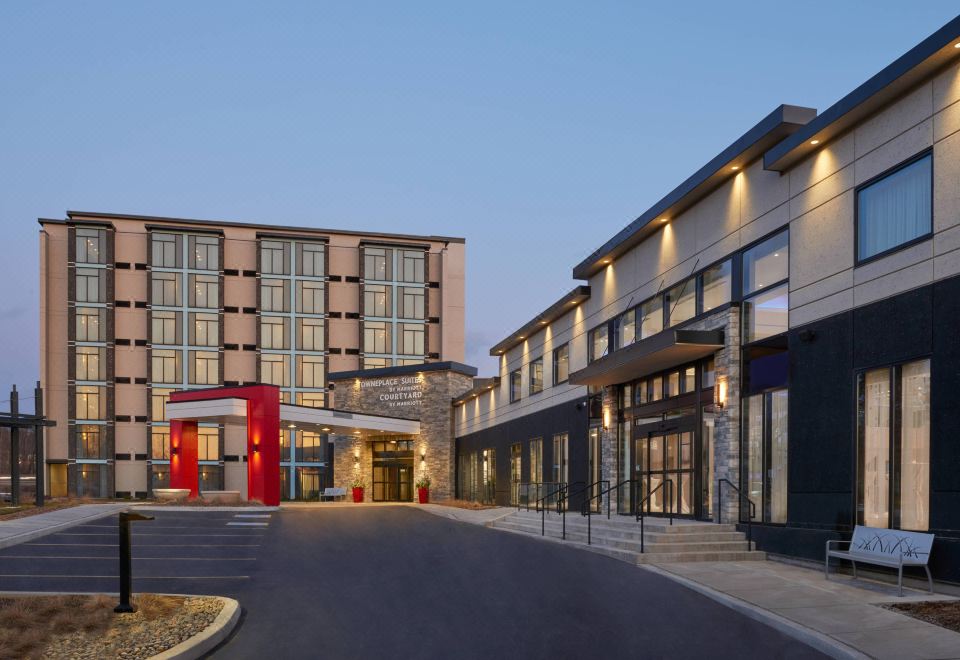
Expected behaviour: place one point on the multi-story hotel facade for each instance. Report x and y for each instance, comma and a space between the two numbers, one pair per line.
787, 319
133, 308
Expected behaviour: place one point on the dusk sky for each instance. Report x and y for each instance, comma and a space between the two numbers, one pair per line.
536, 130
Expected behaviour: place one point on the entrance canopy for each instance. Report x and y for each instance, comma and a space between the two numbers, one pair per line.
233, 410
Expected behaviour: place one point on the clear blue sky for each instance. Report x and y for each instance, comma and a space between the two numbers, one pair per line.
534, 129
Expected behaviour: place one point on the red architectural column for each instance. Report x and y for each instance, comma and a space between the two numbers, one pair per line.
184, 471
263, 444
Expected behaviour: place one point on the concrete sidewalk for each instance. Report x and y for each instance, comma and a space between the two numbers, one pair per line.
20, 530
841, 611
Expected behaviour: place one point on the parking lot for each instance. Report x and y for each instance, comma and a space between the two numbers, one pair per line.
177, 552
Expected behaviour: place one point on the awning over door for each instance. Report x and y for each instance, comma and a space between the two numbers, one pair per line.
663, 350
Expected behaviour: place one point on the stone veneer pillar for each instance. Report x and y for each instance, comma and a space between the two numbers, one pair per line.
435, 443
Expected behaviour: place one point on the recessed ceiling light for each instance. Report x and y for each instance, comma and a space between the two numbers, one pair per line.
521, 337
606, 261
814, 142
663, 219
957, 45
325, 429
735, 168
543, 322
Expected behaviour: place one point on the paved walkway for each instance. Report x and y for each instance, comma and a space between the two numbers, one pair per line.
841, 609
475, 516
28, 528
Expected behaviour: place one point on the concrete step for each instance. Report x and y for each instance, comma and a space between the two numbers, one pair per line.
631, 534
652, 543
677, 557
628, 522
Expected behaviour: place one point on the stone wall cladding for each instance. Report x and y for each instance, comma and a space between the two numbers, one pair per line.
435, 443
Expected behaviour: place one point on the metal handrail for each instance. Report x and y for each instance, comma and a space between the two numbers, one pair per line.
543, 511
615, 487
753, 508
586, 487
644, 500
528, 484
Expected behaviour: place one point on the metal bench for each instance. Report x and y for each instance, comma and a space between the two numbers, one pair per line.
884, 547
333, 493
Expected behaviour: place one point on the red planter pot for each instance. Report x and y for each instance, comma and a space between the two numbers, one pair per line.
358, 495
423, 495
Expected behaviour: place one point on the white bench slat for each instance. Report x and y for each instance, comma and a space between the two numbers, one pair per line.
893, 548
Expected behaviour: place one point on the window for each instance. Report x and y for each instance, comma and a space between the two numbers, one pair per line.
91, 402
515, 380
895, 209
310, 399
536, 375
598, 342
160, 444
688, 379
204, 368
91, 324
309, 447
560, 458
377, 300
204, 329
91, 285
275, 369
165, 289
412, 266
682, 302
656, 389
765, 450
90, 443
165, 328
651, 317
766, 314
709, 373
275, 257
310, 259
158, 403
377, 264
310, 334
376, 337
488, 468
274, 295
166, 251
893, 447
91, 364
204, 252
561, 364
208, 444
516, 471
91, 480
166, 367
411, 339
274, 332
624, 329
766, 264
715, 286
536, 461
310, 297
411, 303
204, 291
673, 383
91, 246
310, 371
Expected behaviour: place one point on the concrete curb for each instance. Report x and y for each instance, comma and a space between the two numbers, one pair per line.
37, 533
207, 639
819, 641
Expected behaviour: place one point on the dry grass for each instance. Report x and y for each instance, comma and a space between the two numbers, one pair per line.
942, 613
201, 503
465, 504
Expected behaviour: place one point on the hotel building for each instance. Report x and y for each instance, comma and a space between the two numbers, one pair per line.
785, 319
133, 308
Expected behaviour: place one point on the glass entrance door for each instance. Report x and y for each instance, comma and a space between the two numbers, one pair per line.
393, 483
666, 456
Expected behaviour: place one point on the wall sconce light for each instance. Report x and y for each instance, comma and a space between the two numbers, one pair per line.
720, 393
423, 454
174, 451
256, 448
606, 418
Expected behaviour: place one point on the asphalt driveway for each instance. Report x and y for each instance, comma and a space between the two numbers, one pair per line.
395, 582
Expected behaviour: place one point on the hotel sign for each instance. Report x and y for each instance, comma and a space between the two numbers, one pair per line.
396, 392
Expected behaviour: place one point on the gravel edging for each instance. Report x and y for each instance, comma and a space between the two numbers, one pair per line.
207, 639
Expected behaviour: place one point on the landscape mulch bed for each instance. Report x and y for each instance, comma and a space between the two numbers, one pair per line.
944, 613
464, 504
86, 627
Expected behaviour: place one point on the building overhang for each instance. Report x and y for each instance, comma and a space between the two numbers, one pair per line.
663, 350
779, 124
906, 72
572, 298
480, 385
232, 410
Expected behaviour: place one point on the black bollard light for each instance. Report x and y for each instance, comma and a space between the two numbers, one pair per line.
126, 517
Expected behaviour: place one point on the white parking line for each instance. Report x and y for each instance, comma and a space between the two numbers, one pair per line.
136, 558
248, 524
139, 577
252, 515
154, 545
